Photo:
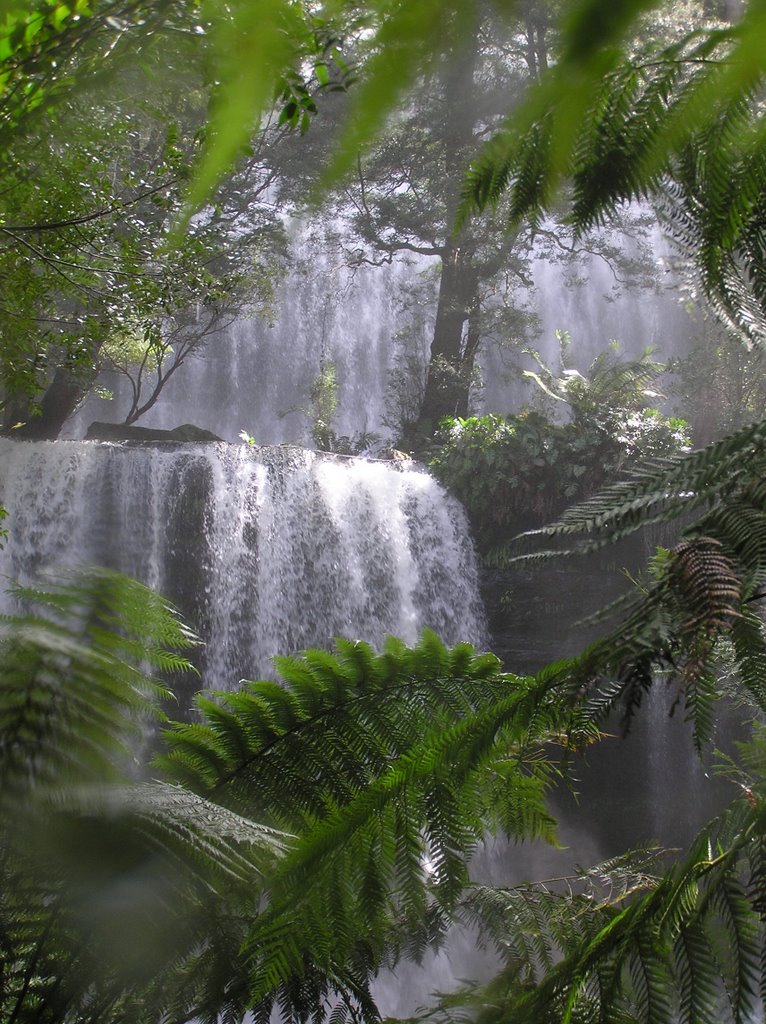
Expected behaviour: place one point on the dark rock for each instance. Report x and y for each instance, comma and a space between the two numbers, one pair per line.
98, 431
188, 432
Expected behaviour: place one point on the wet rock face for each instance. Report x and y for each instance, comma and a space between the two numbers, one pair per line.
98, 431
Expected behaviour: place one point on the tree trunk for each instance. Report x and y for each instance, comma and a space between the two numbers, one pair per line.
56, 406
65, 391
448, 378
451, 360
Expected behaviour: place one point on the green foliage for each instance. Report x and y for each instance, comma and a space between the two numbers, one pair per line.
38, 42
106, 878
623, 942
93, 189
513, 471
721, 379
321, 409
64, 713
324, 402
611, 111
389, 768
681, 123
126, 898
700, 599
386, 768
720, 475
520, 470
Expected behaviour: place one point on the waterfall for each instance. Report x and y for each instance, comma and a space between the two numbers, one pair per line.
372, 321
266, 550
272, 550
257, 374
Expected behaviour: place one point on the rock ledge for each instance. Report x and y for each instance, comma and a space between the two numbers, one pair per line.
98, 431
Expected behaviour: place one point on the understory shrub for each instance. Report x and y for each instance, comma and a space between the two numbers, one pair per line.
518, 471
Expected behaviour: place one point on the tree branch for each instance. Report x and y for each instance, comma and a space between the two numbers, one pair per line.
87, 218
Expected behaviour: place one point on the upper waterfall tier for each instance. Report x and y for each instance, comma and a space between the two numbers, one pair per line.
266, 550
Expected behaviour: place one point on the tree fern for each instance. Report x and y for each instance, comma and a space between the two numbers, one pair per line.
666, 489
107, 880
633, 939
700, 597
135, 899
675, 626
390, 768
74, 687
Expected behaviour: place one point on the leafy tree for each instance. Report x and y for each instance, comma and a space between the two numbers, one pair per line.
402, 199
87, 275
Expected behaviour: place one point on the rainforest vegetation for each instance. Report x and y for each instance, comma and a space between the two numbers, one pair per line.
288, 843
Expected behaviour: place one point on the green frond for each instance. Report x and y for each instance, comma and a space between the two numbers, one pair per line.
674, 627
183, 827
749, 641
389, 769
109, 883
651, 980
699, 992
662, 491
328, 721
700, 596
74, 694
681, 124
733, 931
672, 951
701, 697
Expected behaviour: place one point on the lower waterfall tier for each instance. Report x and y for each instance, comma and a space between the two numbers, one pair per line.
265, 550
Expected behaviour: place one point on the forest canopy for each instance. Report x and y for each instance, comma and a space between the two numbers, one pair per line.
141, 249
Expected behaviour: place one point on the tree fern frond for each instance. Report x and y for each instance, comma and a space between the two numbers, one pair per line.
701, 697
749, 642
699, 992
327, 717
74, 693
701, 593
653, 949
108, 883
389, 768
735, 938
650, 974
662, 491
182, 826
674, 627
682, 124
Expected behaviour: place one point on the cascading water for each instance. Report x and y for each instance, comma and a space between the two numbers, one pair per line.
273, 550
268, 551
257, 376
